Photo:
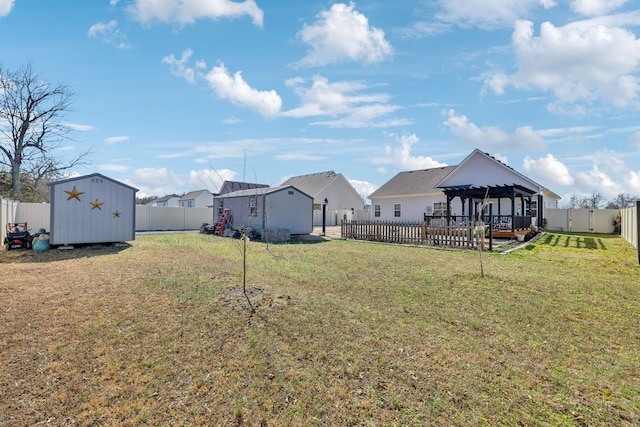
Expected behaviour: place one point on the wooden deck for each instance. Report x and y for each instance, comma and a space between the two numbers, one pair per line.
508, 234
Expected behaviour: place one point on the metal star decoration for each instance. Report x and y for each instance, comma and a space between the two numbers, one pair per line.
116, 214
74, 194
96, 205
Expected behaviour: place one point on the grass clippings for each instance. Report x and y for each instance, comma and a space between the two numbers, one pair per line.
345, 333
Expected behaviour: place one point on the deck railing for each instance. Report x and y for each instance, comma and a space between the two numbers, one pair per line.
413, 233
499, 222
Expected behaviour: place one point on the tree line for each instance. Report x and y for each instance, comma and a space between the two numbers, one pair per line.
596, 200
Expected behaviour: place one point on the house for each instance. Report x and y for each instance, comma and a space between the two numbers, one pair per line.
456, 193
196, 199
267, 208
342, 200
170, 200
91, 209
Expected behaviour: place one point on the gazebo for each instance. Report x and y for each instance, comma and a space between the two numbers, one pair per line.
472, 197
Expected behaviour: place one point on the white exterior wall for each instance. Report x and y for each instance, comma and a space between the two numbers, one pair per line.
77, 221
482, 171
342, 197
629, 225
412, 208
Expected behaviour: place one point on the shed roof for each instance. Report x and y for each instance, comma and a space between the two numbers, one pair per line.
260, 191
92, 175
230, 186
417, 182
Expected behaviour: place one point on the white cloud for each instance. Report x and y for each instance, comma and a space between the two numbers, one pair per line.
162, 181
400, 156
116, 139
487, 14
597, 180
5, 7
632, 183
549, 170
581, 63
113, 167
77, 127
299, 156
109, 33
345, 99
595, 7
188, 11
155, 181
340, 34
363, 188
179, 67
634, 140
211, 179
235, 89
491, 136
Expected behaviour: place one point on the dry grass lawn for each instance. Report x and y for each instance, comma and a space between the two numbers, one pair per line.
346, 333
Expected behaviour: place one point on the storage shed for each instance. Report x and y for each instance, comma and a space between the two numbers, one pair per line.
92, 209
268, 208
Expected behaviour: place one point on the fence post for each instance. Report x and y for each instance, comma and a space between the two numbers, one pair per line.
638, 227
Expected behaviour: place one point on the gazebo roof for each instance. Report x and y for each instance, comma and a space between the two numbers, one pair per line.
490, 191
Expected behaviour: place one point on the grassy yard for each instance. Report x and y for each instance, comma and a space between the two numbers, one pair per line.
346, 334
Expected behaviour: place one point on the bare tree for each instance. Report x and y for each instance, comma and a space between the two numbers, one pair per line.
621, 201
30, 127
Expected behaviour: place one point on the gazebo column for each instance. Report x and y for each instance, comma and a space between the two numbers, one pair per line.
513, 211
449, 198
540, 210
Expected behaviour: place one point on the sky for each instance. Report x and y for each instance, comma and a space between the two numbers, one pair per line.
173, 96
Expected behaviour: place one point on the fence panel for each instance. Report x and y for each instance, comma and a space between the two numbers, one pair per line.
629, 225
7, 214
37, 215
410, 233
148, 218
581, 220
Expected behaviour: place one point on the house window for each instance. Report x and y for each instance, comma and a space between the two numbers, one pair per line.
532, 209
317, 206
376, 211
439, 208
253, 206
397, 210
220, 208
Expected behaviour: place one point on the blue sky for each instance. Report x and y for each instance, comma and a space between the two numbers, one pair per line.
178, 95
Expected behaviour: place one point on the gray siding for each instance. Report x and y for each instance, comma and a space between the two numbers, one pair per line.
79, 221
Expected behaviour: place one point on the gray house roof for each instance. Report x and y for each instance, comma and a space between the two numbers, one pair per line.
411, 183
313, 183
192, 195
164, 199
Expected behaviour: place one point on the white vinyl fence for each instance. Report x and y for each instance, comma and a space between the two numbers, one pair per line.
154, 218
7, 214
148, 218
581, 220
629, 225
